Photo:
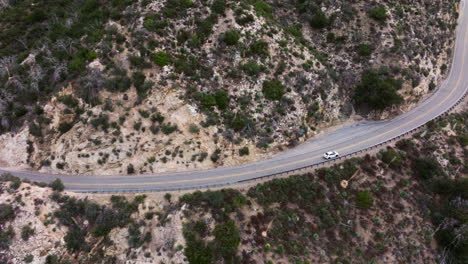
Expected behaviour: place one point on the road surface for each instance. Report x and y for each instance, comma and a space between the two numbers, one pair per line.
347, 140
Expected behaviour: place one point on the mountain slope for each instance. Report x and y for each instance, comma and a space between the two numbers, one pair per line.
171, 85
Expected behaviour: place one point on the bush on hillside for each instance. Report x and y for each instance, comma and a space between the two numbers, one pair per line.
252, 68
319, 20
227, 239
57, 185
377, 91
392, 158
231, 37
7, 213
427, 168
364, 49
259, 48
161, 58
244, 151
220, 202
364, 199
273, 89
379, 13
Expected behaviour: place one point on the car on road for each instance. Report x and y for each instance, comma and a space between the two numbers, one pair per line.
331, 155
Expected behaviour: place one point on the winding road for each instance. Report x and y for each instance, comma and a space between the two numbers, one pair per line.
346, 140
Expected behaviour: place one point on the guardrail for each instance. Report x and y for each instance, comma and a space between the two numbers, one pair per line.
292, 171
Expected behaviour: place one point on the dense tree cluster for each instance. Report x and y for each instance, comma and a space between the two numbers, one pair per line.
377, 91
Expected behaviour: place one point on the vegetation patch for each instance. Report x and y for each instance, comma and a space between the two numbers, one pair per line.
273, 90
377, 91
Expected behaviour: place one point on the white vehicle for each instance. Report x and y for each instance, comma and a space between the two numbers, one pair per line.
331, 155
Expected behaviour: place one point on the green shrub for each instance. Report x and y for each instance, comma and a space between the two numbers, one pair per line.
215, 155
447, 208
15, 183
208, 101
75, 240
187, 65
263, 9
5, 177
155, 23
364, 49
231, 37
20, 111
319, 20
379, 13
161, 58
138, 79
7, 213
259, 48
64, 127
57, 185
149, 215
300, 190
168, 128
463, 139
222, 99
364, 199
101, 219
220, 203
157, 117
273, 89
81, 57
244, 151
203, 30
405, 144
28, 259
295, 30
392, 158
52, 259
196, 250
6, 236
143, 90
130, 169
143, 113
176, 8
35, 129
101, 121
194, 129
238, 122
252, 68
118, 83
227, 239
202, 156
138, 62
218, 6
377, 91
60, 165
27, 232
134, 239
68, 100
244, 18
154, 129
426, 168
168, 197
76, 65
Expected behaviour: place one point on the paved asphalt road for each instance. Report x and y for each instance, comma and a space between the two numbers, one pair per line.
346, 140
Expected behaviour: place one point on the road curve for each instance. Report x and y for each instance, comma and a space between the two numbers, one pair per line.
347, 140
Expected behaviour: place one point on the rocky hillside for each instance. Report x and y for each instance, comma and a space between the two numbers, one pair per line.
407, 204
118, 86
